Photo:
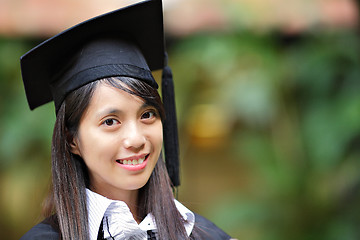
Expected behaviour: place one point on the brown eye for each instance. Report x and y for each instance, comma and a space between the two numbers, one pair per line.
148, 115
110, 122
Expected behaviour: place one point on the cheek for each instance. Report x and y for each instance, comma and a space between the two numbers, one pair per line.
157, 135
94, 146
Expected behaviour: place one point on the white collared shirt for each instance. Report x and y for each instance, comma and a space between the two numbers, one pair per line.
120, 221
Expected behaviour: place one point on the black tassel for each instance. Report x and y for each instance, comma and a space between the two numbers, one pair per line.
171, 141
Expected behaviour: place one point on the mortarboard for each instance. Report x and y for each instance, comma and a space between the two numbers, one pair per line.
126, 42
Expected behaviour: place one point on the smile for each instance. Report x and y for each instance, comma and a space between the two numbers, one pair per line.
134, 161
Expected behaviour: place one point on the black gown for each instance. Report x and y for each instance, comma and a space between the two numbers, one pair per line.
205, 229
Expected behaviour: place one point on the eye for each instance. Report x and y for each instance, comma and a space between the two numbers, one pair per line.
110, 122
148, 115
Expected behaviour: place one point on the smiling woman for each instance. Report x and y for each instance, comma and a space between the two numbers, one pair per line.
109, 180
120, 140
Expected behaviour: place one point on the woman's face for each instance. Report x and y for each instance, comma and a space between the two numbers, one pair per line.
120, 139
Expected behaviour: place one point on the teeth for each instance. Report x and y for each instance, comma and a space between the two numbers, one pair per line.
133, 162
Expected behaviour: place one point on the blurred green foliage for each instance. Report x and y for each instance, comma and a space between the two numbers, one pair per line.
25, 139
290, 112
294, 106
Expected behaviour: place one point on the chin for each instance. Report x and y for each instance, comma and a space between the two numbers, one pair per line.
136, 185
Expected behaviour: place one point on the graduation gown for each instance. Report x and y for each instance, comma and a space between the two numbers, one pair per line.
205, 230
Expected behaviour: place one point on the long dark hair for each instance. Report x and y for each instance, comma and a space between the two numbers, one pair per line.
70, 175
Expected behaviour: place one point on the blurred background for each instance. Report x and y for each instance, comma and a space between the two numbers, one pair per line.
268, 105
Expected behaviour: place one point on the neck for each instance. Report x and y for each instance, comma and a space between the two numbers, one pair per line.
130, 197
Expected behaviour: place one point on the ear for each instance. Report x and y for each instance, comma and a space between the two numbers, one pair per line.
74, 146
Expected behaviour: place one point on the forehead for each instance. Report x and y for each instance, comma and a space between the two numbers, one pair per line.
107, 97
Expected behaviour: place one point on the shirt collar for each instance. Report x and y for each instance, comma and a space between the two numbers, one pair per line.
96, 206
187, 215
99, 205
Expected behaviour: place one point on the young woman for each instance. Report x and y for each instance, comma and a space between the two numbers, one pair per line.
109, 180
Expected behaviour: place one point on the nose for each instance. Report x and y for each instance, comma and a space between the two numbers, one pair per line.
134, 138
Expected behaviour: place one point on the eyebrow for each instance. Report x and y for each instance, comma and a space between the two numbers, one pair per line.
145, 105
109, 111
118, 111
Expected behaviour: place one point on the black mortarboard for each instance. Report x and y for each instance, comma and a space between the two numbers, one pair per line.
126, 42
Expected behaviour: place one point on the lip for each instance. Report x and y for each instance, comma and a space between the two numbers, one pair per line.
136, 167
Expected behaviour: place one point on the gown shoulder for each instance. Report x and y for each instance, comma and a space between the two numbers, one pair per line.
205, 229
42, 231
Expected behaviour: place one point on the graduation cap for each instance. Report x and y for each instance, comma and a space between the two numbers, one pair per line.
126, 42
